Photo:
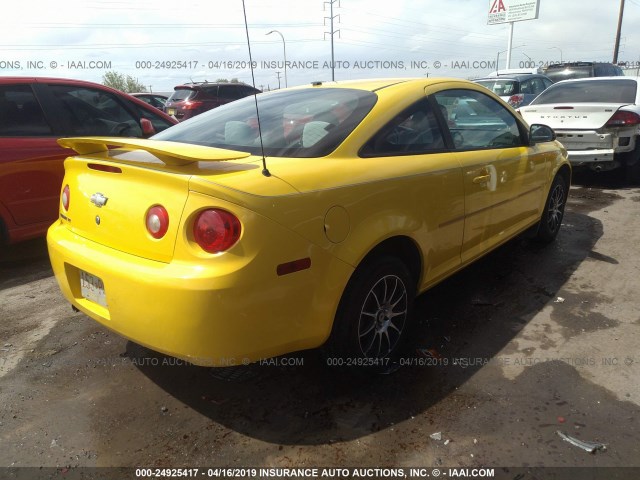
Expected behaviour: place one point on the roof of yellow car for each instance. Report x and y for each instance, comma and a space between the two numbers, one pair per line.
374, 84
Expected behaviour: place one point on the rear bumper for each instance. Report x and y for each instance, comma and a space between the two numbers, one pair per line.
588, 148
579, 158
201, 313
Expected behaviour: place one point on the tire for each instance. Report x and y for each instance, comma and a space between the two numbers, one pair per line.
553, 212
374, 316
632, 173
631, 164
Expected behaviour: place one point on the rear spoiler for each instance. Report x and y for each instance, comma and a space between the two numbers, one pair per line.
171, 153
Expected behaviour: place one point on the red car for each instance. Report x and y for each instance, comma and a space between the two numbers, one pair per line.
34, 113
192, 99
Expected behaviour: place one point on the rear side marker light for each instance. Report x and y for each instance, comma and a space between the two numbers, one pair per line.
66, 197
104, 168
157, 221
216, 230
295, 266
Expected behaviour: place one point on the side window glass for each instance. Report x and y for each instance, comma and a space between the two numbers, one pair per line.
95, 112
20, 113
213, 91
537, 86
231, 92
414, 131
477, 121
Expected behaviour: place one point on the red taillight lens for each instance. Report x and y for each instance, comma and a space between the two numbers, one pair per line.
516, 100
191, 105
157, 221
216, 230
66, 197
623, 119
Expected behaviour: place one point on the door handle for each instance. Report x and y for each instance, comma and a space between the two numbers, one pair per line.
482, 179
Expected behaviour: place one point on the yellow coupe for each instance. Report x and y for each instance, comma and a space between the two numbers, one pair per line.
238, 236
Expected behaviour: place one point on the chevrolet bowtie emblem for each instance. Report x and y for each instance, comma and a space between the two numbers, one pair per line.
99, 200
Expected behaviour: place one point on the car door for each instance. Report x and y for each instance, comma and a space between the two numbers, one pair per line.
413, 144
503, 179
31, 161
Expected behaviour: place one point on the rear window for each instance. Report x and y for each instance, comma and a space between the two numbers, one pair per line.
500, 87
299, 123
567, 73
590, 91
181, 94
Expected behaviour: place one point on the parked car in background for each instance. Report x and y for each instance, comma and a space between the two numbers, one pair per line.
369, 197
596, 119
153, 99
34, 113
516, 89
192, 99
570, 70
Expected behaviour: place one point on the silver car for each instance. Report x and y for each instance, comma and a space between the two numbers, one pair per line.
596, 119
517, 90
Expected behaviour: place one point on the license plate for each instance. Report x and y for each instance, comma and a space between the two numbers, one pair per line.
171, 111
92, 288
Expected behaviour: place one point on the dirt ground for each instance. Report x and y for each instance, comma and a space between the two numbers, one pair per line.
526, 342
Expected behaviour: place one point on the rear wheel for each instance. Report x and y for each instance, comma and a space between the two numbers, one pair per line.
553, 211
374, 315
632, 164
632, 173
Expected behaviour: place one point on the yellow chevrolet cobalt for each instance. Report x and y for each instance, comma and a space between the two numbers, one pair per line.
238, 236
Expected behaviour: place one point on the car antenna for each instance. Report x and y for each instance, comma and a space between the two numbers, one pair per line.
265, 170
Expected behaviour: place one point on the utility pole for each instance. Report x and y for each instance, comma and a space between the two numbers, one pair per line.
278, 74
331, 18
617, 47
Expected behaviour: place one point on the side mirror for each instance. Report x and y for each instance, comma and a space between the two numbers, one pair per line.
147, 128
539, 133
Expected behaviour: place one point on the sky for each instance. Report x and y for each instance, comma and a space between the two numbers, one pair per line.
164, 44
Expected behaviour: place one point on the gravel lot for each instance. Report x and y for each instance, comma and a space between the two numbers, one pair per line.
524, 343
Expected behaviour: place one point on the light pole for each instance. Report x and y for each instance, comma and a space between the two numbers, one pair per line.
284, 49
557, 48
502, 51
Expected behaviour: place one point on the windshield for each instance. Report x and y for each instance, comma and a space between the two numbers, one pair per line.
501, 88
557, 74
589, 91
294, 123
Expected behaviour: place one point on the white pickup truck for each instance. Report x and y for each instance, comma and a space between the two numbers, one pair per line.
596, 119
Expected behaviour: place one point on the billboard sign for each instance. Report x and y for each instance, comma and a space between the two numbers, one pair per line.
505, 11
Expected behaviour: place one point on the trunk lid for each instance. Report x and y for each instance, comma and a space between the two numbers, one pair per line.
582, 116
112, 191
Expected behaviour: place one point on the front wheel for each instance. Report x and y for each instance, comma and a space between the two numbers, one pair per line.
553, 211
374, 315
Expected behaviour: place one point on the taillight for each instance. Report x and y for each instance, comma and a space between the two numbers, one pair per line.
191, 105
516, 100
623, 119
157, 221
66, 197
216, 230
